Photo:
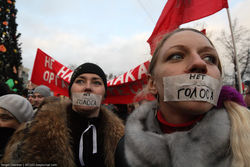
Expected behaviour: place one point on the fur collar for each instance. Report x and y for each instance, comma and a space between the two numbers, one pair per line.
206, 144
46, 139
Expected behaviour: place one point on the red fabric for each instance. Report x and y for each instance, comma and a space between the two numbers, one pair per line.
177, 12
49, 72
124, 88
167, 127
204, 31
121, 90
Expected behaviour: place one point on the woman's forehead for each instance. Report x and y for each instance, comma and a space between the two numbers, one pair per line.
187, 37
89, 76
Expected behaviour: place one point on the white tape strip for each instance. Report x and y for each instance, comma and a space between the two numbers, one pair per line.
192, 87
86, 99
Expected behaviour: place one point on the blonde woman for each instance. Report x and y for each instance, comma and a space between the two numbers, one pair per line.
183, 127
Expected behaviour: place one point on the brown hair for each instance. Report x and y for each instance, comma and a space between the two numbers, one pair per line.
164, 39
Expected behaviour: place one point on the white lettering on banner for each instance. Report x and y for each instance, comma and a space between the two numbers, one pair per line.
62, 71
110, 83
56, 79
129, 75
120, 78
68, 76
142, 70
51, 77
49, 62
48, 76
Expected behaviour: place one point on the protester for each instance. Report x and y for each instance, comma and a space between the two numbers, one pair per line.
39, 95
77, 133
30, 97
14, 110
183, 127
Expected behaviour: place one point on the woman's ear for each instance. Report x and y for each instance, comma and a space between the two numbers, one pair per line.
151, 85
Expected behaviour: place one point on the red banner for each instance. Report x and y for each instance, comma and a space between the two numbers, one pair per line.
121, 90
177, 12
125, 88
47, 71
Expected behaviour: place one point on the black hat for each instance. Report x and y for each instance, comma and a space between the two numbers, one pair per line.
88, 68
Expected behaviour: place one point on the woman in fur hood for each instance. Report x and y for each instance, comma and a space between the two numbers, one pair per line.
67, 133
186, 126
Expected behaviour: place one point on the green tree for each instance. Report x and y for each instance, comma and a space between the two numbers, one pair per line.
10, 51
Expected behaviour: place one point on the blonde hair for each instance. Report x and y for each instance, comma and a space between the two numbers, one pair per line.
239, 115
240, 133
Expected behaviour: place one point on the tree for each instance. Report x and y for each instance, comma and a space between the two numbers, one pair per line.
242, 39
10, 51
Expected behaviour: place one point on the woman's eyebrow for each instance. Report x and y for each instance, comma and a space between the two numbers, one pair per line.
207, 48
178, 47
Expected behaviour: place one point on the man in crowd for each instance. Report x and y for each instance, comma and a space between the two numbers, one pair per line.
39, 95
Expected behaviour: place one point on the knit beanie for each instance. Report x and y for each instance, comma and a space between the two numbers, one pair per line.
88, 68
42, 90
18, 106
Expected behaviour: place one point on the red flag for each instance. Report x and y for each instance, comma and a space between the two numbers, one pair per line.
121, 90
47, 71
177, 12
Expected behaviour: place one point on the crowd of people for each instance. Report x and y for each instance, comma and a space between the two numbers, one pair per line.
193, 121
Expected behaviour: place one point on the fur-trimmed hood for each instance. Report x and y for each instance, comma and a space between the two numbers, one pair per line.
46, 139
205, 145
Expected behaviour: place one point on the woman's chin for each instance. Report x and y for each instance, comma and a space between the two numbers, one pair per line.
85, 109
192, 107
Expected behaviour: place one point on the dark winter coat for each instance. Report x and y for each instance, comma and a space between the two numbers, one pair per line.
49, 138
205, 145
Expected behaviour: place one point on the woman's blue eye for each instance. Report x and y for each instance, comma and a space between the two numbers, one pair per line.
97, 83
79, 81
210, 59
175, 57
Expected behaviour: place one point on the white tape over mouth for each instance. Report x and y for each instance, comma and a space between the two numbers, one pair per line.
192, 87
86, 99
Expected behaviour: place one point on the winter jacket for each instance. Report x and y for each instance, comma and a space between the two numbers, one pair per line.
50, 137
205, 145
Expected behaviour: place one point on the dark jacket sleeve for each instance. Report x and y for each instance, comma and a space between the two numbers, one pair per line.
120, 159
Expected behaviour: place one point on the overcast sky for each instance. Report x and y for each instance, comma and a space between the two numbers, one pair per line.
111, 33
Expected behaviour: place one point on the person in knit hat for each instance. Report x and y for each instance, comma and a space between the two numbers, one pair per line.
78, 131
39, 95
14, 110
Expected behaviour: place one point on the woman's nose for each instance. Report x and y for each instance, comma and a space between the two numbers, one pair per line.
87, 87
196, 65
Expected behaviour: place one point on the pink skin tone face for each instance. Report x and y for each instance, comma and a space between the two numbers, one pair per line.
182, 53
88, 83
37, 99
8, 120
